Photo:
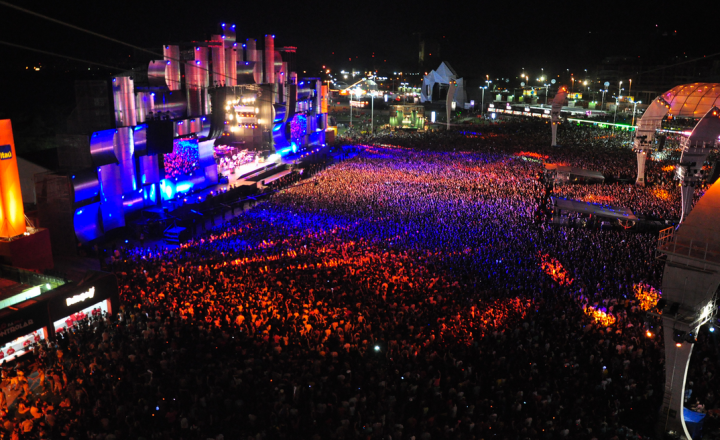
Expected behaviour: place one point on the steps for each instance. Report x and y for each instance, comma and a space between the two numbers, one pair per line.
176, 234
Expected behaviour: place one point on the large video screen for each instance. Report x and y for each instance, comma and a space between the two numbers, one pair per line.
184, 160
298, 127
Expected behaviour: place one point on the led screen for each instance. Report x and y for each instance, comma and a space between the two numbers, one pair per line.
298, 127
184, 160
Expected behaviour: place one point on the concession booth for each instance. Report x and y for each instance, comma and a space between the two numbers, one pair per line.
35, 318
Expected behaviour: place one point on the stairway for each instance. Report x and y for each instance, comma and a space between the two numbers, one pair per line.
173, 234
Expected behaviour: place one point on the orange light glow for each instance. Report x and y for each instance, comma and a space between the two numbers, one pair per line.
600, 317
661, 194
647, 296
555, 269
532, 154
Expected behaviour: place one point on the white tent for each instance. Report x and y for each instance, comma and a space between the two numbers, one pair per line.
443, 75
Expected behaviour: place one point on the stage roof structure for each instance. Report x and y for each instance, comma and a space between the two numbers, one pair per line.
606, 211
692, 100
445, 75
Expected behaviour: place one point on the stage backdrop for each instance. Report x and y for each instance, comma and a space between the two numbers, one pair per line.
12, 215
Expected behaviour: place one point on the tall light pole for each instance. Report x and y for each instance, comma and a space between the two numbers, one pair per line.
619, 89
607, 85
546, 92
630, 89
482, 105
616, 106
372, 112
634, 106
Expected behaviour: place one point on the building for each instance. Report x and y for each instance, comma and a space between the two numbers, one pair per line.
36, 307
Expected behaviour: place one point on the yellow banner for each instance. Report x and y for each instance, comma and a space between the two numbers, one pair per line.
323, 99
12, 214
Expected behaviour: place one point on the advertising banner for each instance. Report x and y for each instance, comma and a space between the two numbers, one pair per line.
12, 214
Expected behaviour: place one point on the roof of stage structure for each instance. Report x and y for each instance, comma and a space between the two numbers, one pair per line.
606, 211
692, 100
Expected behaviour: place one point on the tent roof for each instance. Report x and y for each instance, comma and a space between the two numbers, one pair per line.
607, 211
575, 171
692, 100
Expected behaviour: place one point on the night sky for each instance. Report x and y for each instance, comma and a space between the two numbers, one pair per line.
497, 38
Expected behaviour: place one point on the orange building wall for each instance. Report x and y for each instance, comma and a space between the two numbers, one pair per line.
12, 214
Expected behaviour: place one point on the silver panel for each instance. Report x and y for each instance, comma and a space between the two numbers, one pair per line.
143, 106
194, 125
172, 72
231, 65
124, 101
102, 148
140, 139
231, 47
218, 62
245, 72
112, 214
85, 184
86, 223
110, 181
125, 151
149, 170
156, 73
229, 34
269, 57
202, 61
182, 128
259, 77
252, 54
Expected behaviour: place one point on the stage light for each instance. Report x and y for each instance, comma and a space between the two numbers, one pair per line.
649, 334
712, 329
377, 348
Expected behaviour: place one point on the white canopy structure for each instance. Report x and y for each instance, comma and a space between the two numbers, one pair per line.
441, 78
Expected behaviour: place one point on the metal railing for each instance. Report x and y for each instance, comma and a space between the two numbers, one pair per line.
671, 244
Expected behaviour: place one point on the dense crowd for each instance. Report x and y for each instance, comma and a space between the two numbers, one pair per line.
406, 293
582, 146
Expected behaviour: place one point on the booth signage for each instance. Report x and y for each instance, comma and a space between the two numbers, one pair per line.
80, 297
21, 322
6, 329
5, 152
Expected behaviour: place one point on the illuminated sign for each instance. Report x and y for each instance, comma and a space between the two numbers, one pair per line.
5, 152
80, 297
12, 214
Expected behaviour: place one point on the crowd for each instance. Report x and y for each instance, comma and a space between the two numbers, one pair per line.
406, 293
582, 146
